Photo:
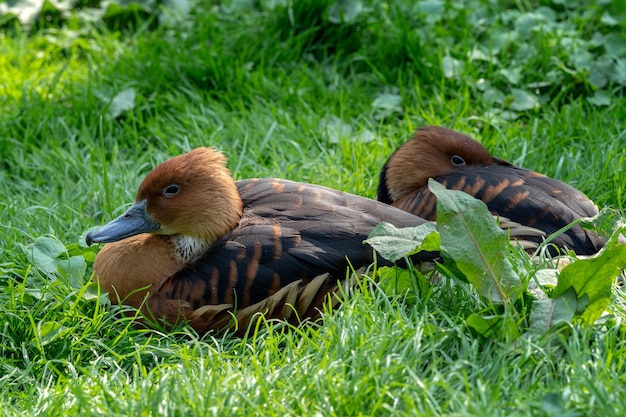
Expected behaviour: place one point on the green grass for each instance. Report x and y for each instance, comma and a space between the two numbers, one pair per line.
262, 85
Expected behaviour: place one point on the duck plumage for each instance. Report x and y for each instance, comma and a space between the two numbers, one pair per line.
199, 247
459, 162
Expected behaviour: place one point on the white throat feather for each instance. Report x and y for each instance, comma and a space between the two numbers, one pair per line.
189, 248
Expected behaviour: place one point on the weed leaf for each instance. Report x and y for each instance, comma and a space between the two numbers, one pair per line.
400, 281
549, 312
451, 67
50, 330
74, 269
43, 253
493, 326
600, 98
345, 11
49, 256
386, 105
393, 243
593, 278
479, 248
522, 100
122, 102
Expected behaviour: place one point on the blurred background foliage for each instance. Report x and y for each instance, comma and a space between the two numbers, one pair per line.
534, 52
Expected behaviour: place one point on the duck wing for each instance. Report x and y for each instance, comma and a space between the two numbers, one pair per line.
578, 203
520, 195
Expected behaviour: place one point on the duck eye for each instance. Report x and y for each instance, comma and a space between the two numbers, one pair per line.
457, 160
171, 190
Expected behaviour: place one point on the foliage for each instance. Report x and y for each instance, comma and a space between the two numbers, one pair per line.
520, 59
473, 245
52, 13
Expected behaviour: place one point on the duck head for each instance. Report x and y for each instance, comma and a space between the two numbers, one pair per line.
432, 152
192, 196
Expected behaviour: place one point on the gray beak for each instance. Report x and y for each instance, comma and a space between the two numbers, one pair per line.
135, 221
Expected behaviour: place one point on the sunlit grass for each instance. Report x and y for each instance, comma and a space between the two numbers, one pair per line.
308, 103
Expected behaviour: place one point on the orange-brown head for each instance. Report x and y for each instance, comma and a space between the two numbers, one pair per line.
432, 151
191, 196
182, 206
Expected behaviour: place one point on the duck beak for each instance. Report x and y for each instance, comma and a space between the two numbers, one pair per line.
135, 221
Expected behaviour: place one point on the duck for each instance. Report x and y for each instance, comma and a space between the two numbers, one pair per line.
460, 162
200, 248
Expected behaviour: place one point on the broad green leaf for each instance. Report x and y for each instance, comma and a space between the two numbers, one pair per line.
50, 256
583, 61
617, 9
386, 105
513, 75
615, 44
526, 23
89, 256
57, 5
122, 102
552, 404
50, 330
549, 312
449, 268
451, 67
395, 280
393, 243
618, 73
73, 269
345, 11
600, 98
608, 20
542, 278
336, 130
501, 39
522, 100
480, 324
493, 95
119, 8
547, 277
273, 4
548, 13
177, 11
607, 222
433, 10
436, 7
43, 254
479, 248
593, 278
600, 70
235, 5
493, 326
477, 54
94, 291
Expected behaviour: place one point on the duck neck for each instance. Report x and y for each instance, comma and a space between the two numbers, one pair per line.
188, 248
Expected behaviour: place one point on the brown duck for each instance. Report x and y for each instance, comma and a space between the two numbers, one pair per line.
199, 247
459, 162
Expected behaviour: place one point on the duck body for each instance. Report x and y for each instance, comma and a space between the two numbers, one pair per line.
185, 252
289, 231
459, 162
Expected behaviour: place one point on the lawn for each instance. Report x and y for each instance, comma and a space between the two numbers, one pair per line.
313, 91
